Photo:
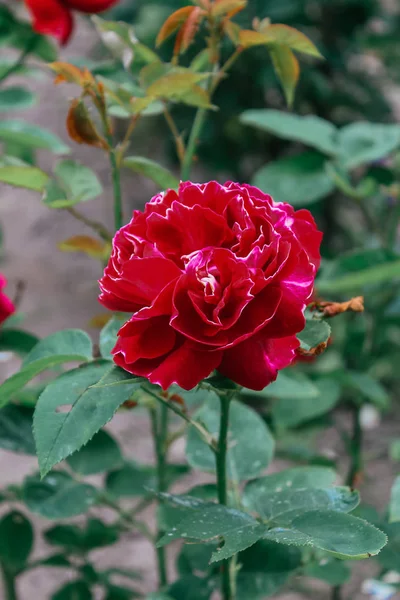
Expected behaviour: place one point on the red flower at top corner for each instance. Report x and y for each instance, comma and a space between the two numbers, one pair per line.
217, 277
54, 17
6, 306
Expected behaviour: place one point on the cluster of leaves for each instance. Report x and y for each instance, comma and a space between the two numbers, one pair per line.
340, 89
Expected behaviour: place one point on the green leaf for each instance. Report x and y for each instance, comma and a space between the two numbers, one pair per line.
265, 568
287, 413
57, 495
282, 506
108, 336
74, 183
55, 560
334, 572
33, 136
394, 506
30, 178
296, 478
75, 590
296, 386
151, 169
117, 592
363, 143
191, 588
100, 454
357, 281
315, 332
211, 522
389, 557
16, 382
287, 69
68, 341
120, 39
131, 480
17, 341
251, 444
342, 535
309, 130
369, 388
16, 540
16, 97
300, 180
16, 429
91, 394
291, 38
95, 534
70, 345
176, 507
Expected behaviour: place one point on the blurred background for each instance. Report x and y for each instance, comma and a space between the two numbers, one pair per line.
358, 210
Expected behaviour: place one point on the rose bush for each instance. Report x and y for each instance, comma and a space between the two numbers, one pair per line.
217, 277
6, 306
54, 17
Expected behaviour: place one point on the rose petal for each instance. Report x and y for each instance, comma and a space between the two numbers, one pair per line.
255, 362
51, 17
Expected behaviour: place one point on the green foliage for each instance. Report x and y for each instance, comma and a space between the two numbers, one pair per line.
300, 180
57, 495
16, 540
149, 168
72, 183
100, 454
31, 136
247, 456
30, 178
344, 165
91, 394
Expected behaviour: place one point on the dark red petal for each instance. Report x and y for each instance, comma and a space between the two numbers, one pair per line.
148, 339
255, 362
138, 283
258, 312
51, 17
89, 6
6, 306
185, 366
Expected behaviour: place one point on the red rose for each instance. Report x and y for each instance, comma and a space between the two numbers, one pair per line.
6, 306
217, 277
54, 17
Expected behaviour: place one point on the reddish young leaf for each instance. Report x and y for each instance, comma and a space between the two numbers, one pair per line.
190, 28
86, 244
221, 8
173, 23
65, 72
81, 128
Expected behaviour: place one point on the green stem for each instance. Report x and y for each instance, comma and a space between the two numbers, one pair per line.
222, 485
97, 227
337, 592
159, 426
201, 114
356, 442
206, 436
9, 584
192, 143
21, 59
116, 180
393, 225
